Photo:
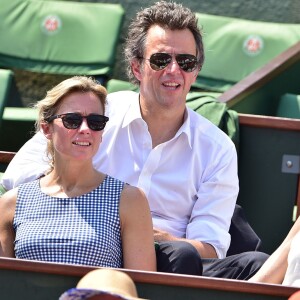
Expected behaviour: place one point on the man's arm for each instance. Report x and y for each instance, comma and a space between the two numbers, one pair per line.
213, 209
29, 163
7, 234
205, 250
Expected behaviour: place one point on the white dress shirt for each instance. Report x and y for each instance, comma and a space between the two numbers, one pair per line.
190, 181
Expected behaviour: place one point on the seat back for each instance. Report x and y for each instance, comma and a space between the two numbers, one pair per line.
18, 126
59, 37
289, 106
234, 48
5, 84
5, 158
116, 85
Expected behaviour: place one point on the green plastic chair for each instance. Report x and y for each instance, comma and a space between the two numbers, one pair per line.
115, 85
234, 48
2, 189
5, 85
60, 37
53, 37
289, 106
18, 126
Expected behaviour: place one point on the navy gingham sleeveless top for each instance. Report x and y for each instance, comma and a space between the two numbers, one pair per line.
81, 230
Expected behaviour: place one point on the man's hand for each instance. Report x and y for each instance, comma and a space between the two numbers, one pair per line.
204, 249
161, 236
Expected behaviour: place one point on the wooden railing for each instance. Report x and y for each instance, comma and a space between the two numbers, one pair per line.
150, 285
6, 157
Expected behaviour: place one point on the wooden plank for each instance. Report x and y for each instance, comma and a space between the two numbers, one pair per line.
41, 278
6, 156
269, 122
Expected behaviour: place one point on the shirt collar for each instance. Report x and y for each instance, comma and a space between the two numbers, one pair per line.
185, 127
133, 112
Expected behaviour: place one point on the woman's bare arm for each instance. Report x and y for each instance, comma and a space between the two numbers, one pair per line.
7, 212
137, 231
274, 269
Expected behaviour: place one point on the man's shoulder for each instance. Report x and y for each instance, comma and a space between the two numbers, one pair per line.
118, 102
121, 97
198, 122
204, 128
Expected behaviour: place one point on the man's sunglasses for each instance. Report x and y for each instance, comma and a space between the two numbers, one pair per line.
187, 62
74, 120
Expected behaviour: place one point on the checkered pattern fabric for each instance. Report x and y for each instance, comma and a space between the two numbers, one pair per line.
81, 230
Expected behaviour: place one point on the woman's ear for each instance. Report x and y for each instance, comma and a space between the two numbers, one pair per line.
136, 69
47, 130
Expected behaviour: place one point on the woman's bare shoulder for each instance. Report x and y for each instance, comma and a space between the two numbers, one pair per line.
9, 198
133, 198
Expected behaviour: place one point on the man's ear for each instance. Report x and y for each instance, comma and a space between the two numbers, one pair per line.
196, 72
136, 69
47, 130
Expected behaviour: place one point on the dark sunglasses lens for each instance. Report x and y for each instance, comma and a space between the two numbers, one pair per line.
187, 62
96, 122
159, 61
72, 121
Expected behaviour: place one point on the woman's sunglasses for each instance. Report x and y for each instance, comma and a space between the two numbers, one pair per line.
187, 62
74, 120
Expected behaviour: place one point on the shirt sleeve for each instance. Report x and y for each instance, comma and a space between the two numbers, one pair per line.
29, 163
216, 197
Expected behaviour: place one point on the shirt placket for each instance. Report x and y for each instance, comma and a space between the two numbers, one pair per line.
150, 166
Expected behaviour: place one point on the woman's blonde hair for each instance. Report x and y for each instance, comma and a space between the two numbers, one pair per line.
49, 106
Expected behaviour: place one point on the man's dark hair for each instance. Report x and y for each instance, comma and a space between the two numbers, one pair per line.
169, 15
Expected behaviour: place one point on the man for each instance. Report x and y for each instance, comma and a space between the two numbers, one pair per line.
186, 166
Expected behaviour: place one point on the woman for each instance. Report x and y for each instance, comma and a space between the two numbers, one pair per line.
75, 214
283, 266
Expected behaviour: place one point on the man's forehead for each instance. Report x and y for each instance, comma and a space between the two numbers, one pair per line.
160, 39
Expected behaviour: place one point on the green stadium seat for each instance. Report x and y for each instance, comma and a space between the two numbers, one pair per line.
52, 37
17, 127
2, 189
289, 106
115, 85
5, 84
60, 37
234, 48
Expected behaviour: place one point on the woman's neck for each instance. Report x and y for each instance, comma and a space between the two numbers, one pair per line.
71, 182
